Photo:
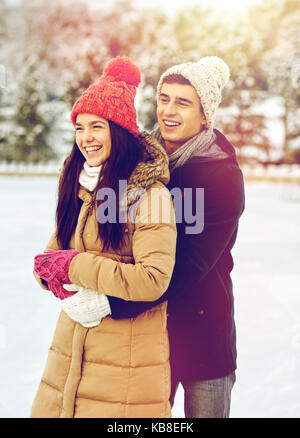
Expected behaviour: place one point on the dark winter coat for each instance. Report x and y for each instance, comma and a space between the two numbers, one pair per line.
201, 310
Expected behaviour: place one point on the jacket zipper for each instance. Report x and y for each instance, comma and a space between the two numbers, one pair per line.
89, 213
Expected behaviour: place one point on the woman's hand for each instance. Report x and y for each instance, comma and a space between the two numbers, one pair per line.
87, 306
53, 268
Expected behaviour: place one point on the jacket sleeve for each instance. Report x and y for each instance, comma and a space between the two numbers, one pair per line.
197, 254
153, 245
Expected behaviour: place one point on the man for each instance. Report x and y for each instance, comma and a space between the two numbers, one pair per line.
200, 299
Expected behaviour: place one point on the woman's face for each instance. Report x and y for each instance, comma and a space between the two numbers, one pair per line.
93, 138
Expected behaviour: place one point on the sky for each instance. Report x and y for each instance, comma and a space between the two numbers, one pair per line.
173, 5
169, 5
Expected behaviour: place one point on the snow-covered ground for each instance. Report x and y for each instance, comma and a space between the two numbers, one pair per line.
267, 298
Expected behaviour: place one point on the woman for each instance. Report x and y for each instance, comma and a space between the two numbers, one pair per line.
118, 368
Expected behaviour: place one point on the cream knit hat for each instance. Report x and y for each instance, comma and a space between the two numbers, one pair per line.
208, 76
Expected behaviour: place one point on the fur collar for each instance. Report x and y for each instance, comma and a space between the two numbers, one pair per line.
154, 167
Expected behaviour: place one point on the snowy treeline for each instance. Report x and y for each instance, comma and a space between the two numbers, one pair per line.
51, 51
254, 172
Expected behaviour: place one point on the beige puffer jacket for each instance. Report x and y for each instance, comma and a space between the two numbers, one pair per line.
121, 367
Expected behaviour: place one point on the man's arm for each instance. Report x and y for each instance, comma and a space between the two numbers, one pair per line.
197, 254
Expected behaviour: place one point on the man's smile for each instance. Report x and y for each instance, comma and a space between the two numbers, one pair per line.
171, 123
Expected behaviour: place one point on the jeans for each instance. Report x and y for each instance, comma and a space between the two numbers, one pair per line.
207, 398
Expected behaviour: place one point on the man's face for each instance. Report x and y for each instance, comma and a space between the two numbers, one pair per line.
179, 115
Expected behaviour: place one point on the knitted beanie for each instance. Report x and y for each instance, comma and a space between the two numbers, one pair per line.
208, 76
112, 95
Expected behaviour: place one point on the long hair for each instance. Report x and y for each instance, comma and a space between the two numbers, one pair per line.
126, 152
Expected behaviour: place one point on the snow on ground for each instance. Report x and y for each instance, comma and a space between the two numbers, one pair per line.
267, 298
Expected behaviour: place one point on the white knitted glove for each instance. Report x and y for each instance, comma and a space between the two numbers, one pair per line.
87, 306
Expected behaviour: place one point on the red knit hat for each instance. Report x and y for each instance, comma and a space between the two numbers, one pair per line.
112, 95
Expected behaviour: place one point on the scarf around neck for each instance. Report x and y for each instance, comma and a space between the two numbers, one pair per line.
89, 176
199, 142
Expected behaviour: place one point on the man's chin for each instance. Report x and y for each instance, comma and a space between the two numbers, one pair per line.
172, 137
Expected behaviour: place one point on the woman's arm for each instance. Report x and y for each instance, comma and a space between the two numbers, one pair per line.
154, 245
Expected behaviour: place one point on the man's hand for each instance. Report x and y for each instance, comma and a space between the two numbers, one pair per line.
87, 306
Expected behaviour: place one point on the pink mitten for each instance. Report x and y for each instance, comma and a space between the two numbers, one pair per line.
53, 267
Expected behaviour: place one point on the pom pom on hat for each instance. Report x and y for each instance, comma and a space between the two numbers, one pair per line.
123, 69
112, 95
220, 67
208, 76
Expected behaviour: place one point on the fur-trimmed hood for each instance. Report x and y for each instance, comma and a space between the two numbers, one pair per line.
154, 167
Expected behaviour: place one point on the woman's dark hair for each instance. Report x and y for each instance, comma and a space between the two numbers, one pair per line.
126, 152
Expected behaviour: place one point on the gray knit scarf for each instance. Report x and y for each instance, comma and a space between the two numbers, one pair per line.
200, 141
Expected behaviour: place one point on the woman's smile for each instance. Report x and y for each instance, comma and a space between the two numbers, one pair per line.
92, 149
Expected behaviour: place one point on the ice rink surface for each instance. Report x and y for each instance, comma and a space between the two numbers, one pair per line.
266, 281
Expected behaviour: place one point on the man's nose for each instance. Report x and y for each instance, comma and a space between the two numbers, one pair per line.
170, 108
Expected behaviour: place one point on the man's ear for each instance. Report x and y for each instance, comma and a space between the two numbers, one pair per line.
204, 122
